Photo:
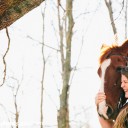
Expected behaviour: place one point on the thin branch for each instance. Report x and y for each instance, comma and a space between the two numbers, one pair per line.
89, 12
59, 4
126, 18
6, 114
43, 43
56, 84
5, 56
110, 11
81, 48
119, 12
61, 35
51, 98
44, 67
30, 37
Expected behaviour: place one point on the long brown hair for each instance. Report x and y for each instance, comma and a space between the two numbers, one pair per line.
122, 119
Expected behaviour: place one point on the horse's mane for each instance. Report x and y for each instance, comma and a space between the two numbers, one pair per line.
125, 44
106, 50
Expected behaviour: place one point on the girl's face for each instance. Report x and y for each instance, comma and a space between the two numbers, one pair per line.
124, 84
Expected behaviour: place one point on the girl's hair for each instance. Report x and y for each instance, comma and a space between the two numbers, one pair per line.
122, 119
124, 71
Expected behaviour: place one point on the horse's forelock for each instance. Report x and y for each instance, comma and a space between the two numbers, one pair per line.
106, 51
125, 44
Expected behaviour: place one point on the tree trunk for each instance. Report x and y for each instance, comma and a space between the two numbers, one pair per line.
109, 6
63, 112
11, 10
126, 20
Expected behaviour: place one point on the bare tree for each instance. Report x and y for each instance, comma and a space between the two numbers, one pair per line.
110, 10
63, 112
126, 4
44, 65
15, 93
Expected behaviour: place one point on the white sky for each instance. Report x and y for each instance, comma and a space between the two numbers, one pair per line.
24, 63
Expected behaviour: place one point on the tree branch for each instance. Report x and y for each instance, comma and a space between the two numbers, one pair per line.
10, 11
5, 56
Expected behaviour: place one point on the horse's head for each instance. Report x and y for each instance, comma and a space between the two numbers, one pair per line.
111, 60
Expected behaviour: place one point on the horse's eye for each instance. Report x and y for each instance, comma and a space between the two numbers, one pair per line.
118, 59
117, 83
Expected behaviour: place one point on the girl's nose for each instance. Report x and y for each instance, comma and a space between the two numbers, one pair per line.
122, 84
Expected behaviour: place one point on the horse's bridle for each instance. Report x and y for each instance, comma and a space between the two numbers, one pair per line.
120, 104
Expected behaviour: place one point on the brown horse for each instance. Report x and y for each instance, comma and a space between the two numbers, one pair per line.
111, 59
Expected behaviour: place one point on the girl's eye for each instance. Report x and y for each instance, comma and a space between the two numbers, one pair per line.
124, 82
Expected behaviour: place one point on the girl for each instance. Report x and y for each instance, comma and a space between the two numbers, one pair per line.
121, 121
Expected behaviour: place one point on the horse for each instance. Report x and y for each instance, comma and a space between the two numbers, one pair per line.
111, 59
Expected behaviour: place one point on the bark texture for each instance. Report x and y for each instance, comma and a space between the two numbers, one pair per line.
109, 6
63, 112
12, 10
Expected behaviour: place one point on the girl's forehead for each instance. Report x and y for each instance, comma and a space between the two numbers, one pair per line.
124, 77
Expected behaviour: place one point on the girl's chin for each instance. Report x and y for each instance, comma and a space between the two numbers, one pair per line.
126, 95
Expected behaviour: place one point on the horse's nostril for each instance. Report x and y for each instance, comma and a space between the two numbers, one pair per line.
109, 111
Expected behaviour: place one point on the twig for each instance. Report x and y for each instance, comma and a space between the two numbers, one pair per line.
5, 56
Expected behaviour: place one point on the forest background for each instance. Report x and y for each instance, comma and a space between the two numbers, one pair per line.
49, 75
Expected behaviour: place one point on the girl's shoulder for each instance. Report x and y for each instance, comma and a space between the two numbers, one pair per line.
122, 118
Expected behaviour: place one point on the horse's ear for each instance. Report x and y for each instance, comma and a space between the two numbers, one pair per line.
124, 47
104, 46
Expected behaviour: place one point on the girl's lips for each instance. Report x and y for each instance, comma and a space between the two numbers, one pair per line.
125, 90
